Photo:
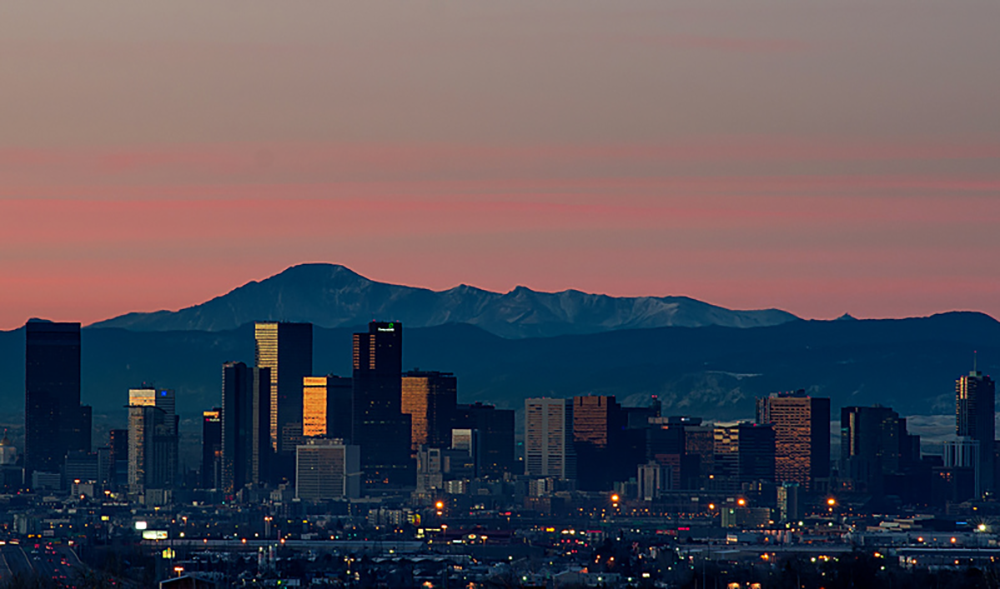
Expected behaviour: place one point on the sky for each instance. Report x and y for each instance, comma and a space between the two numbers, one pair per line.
821, 158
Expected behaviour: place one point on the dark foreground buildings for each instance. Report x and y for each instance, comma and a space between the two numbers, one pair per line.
379, 426
54, 421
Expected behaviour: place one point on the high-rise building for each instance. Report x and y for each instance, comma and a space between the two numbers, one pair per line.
211, 449
598, 426
379, 426
326, 406
874, 444
327, 469
153, 439
548, 438
286, 350
666, 444
975, 410
496, 436
430, 398
246, 423
54, 421
744, 453
118, 444
802, 435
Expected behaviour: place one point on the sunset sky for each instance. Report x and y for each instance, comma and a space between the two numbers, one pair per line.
821, 158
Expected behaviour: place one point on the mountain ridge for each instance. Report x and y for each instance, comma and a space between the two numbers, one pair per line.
332, 295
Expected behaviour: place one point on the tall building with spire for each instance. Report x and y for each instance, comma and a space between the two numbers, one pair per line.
975, 408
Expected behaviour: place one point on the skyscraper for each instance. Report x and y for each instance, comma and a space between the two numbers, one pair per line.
152, 438
211, 449
429, 398
872, 441
496, 436
598, 423
54, 421
379, 426
975, 408
246, 411
802, 435
326, 406
286, 350
744, 453
548, 438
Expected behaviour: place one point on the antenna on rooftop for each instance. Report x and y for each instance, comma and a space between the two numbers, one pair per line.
975, 359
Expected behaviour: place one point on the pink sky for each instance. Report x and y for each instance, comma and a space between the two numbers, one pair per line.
822, 160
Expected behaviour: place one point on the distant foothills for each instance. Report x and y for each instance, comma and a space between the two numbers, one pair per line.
699, 359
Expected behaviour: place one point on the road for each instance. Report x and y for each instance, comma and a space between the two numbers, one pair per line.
54, 561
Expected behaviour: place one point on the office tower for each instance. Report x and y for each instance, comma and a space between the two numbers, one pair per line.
802, 436
327, 469
153, 439
54, 421
286, 350
666, 444
118, 442
246, 426
873, 444
789, 508
379, 426
744, 453
699, 446
548, 438
975, 408
211, 449
467, 441
326, 406
495, 429
598, 426
429, 398
961, 472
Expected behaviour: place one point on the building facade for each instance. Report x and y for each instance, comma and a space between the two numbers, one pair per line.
286, 350
152, 439
975, 409
246, 426
379, 426
211, 448
327, 469
327, 406
548, 438
54, 421
802, 435
430, 399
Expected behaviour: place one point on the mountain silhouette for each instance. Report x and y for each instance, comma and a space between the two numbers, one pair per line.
330, 295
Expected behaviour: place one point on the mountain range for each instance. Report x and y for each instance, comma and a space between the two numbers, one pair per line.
708, 362
330, 295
